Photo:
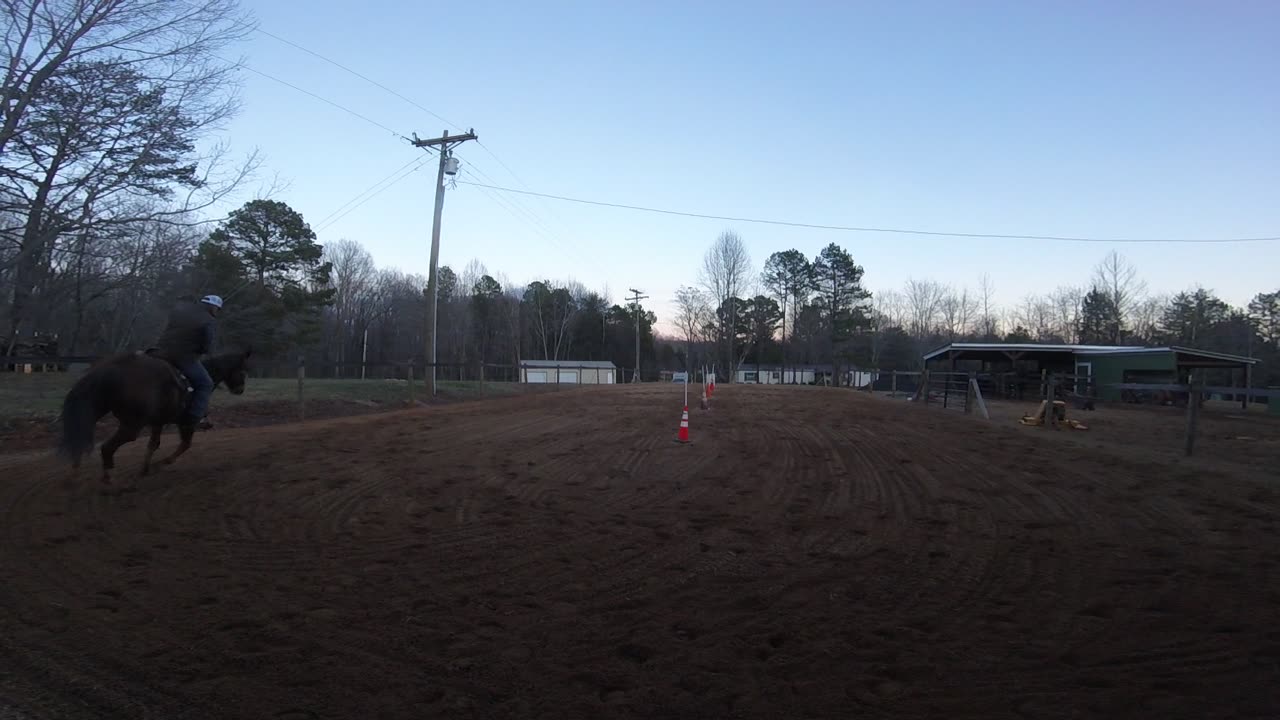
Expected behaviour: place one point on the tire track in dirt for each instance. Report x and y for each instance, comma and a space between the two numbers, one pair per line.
813, 552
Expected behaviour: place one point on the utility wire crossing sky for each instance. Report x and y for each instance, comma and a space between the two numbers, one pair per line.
1150, 131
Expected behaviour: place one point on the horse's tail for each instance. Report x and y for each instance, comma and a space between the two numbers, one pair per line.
80, 413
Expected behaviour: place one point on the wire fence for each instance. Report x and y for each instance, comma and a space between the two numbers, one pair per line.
34, 386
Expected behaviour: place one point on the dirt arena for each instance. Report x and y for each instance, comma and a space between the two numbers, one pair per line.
813, 553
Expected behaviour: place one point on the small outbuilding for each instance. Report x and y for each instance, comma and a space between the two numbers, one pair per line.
778, 375
568, 372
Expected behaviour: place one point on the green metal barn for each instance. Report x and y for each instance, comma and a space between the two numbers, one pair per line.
1102, 366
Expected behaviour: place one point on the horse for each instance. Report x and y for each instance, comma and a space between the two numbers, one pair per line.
141, 389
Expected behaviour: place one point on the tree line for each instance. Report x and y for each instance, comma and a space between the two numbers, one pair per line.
109, 180
796, 311
108, 176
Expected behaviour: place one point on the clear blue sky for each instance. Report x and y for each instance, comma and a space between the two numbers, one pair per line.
1138, 119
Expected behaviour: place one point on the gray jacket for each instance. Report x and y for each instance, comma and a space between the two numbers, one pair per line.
188, 334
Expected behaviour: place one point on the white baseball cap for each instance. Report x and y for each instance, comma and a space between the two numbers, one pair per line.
213, 300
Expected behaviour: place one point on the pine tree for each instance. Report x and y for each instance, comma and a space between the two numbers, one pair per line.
1099, 319
282, 282
1190, 316
840, 294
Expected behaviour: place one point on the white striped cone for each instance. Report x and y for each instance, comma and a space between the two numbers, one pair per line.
683, 437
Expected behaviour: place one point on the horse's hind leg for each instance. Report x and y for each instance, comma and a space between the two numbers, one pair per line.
185, 433
126, 433
152, 444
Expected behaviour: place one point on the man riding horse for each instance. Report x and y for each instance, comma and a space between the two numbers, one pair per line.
187, 336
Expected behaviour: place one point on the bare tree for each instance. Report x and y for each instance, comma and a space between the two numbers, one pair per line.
888, 314
172, 42
1144, 319
989, 318
924, 303
1065, 303
693, 312
1118, 278
726, 267
104, 103
354, 280
512, 297
1036, 314
957, 309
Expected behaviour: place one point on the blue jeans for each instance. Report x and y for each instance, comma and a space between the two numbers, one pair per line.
201, 388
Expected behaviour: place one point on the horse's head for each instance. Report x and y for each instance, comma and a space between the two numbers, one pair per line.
232, 370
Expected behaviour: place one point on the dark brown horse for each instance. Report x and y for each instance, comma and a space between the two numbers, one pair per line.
141, 390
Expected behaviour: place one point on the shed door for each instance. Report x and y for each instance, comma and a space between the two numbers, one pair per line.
1084, 376
539, 376
608, 377
569, 376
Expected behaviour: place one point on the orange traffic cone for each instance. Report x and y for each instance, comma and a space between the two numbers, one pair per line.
683, 437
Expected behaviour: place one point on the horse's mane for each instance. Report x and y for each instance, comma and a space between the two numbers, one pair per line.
227, 360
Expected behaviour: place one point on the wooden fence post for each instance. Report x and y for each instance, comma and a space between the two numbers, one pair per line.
1248, 385
481, 378
893, 386
1050, 416
409, 371
968, 395
1195, 391
924, 385
302, 376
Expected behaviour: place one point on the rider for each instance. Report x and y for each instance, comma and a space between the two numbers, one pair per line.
187, 336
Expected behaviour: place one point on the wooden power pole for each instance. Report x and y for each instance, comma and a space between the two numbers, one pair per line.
444, 145
636, 297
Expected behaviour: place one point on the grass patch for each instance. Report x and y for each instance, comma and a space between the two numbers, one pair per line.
39, 395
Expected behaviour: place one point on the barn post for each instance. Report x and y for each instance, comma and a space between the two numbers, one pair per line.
968, 395
302, 375
1248, 385
410, 376
1195, 387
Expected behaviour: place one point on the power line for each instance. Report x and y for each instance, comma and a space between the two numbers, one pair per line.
321, 98
366, 78
415, 104
545, 233
535, 221
368, 190
379, 192
851, 228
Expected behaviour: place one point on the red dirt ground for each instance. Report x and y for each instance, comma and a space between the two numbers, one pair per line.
813, 553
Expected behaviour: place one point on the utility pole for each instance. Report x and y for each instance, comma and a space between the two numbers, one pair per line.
636, 297
444, 145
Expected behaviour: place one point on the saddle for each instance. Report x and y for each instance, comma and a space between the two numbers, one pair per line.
178, 377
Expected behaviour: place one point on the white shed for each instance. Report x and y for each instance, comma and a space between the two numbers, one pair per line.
568, 372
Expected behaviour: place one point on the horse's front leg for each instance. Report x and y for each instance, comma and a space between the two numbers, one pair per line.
151, 448
126, 433
186, 430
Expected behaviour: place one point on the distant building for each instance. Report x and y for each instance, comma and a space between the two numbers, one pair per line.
1101, 367
568, 372
778, 375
